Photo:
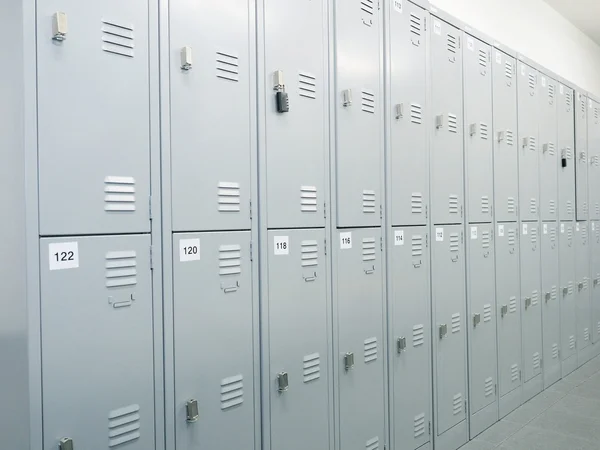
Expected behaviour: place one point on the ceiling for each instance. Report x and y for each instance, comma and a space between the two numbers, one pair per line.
584, 14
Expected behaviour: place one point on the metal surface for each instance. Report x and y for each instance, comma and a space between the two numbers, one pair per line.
548, 92
566, 152
581, 156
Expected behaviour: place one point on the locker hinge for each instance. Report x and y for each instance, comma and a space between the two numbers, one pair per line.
150, 207
462, 237
519, 374
465, 404
458, 41
325, 209
461, 210
250, 207
426, 211
325, 246
381, 211
251, 255
151, 258
425, 26
381, 243
430, 428
541, 363
427, 240
495, 389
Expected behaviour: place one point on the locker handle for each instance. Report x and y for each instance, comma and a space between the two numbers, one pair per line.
191, 409
443, 330
417, 264
313, 277
476, 320
454, 258
370, 271
66, 443
282, 382
548, 296
123, 303
348, 361
580, 285
60, 26
486, 254
186, 58
503, 310
527, 302
401, 344
565, 290
229, 289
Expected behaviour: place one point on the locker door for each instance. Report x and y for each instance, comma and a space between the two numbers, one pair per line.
549, 154
550, 305
359, 104
447, 129
410, 364
509, 311
360, 333
211, 110
506, 191
529, 186
478, 123
409, 116
450, 339
93, 117
96, 317
212, 291
482, 325
568, 306
582, 273
594, 158
531, 310
581, 157
297, 142
298, 340
566, 144
595, 281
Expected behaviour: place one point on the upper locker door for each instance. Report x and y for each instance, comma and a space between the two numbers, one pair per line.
296, 141
550, 304
529, 186
582, 273
548, 151
506, 166
359, 108
568, 307
410, 303
93, 116
594, 158
212, 71
478, 126
409, 115
595, 280
446, 123
581, 157
566, 145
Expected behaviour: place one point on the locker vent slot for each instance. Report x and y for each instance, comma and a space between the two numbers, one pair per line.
551, 149
514, 372
455, 323
452, 43
533, 206
307, 85
509, 138
536, 361
584, 232
508, 70
417, 245
597, 208
569, 100
308, 199
551, 93
552, 233
368, 249
453, 204
571, 342
554, 351
457, 404
368, 102
570, 288
310, 253
512, 237
596, 114
123, 425
367, 6
532, 81
118, 39
370, 349
312, 367
489, 386
119, 194
416, 203
483, 131
552, 207
372, 444
230, 260
232, 392
487, 312
582, 104
569, 153
454, 242
415, 24
368, 198
532, 144
485, 239
585, 206
569, 232
419, 425
452, 123
485, 204
418, 335
553, 293
416, 113
227, 67
121, 269
512, 205
585, 283
512, 305
483, 58
569, 207
598, 328
228, 196
534, 298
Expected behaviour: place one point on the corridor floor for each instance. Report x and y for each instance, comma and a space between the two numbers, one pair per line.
566, 416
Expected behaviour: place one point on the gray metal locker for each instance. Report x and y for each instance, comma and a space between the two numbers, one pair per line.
581, 156
409, 144
568, 305
483, 356
409, 307
296, 141
479, 179
566, 155
528, 104
449, 321
359, 112
212, 90
508, 316
97, 330
594, 158
550, 304
446, 146
548, 136
93, 117
214, 354
298, 340
595, 280
360, 309
582, 289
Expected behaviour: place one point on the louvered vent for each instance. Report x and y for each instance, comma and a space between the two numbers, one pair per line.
512, 237
532, 143
551, 93
553, 233
454, 242
452, 43
368, 249
419, 425
532, 81
569, 232
370, 349
536, 361
508, 70
569, 208
582, 105
307, 85
569, 153
569, 100
368, 102
552, 207
596, 114
489, 386
228, 196
457, 404
586, 334
571, 342
119, 194
415, 24
372, 444
416, 203
453, 204
367, 6
584, 233
598, 328
418, 335
230, 260
416, 113
310, 253
510, 138
551, 149
554, 351
417, 245
585, 205
227, 67
452, 123
123, 425
585, 283
597, 209
232, 392
455, 323
512, 305
308, 199
483, 58
533, 206
487, 313
535, 298
118, 39
311, 367
483, 131
570, 288
368, 199
485, 239
514, 372
511, 205
121, 270
485, 204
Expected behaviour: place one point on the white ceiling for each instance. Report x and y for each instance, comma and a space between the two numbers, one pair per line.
584, 14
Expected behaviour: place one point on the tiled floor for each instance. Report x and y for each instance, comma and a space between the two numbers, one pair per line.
566, 416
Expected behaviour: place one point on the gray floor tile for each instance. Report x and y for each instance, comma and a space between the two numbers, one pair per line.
586, 390
532, 438
476, 444
525, 413
580, 406
499, 432
561, 386
573, 425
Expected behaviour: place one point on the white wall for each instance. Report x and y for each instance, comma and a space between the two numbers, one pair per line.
534, 29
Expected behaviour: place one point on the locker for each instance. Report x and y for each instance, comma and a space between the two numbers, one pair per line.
568, 305
446, 137
449, 333
409, 307
506, 191
528, 104
582, 291
550, 304
581, 157
531, 310
595, 280
359, 120
409, 116
212, 301
360, 380
296, 157
594, 158
298, 340
479, 182
483, 357
212, 97
547, 92
93, 117
566, 145
105, 285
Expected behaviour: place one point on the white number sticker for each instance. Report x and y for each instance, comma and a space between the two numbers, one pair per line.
593, 226
189, 250
500, 230
281, 245
562, 89
499, 57
439, 234
562, 227
473, 232
399, 237
545, 228
398, 5
63, 255
470, 44
345, 241
544, 81
577, 227
523, 70
524, 229
437, 27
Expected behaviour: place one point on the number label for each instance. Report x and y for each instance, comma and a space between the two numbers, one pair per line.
63, 255
501, 230
189, 250
437, 27
345, 241
473, 232
545, 228
281, 245
562, 227
399, 237
439, 234
398, 6
524, 229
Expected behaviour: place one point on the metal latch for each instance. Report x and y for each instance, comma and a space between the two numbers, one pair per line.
191, 409
443, 329
282, 381
527, 302
548, 296
595, 281
401, 344
66, 444
60, 26
348, 361
347, 97
186, 58
399, 110
472, 129
439, 121
565, 290
525, 142
500, 136
545, 148
476, 319
580, 285
503, 310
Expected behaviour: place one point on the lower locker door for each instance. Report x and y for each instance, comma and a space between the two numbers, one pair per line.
568, 307
595, 279
582, 290
550, 304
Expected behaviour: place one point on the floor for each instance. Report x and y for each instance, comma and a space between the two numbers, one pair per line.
566, 416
